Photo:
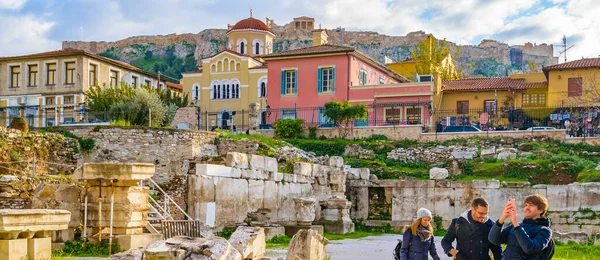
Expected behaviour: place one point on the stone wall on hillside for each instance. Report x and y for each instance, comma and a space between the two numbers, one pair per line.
167, 149
573, 207
54, 153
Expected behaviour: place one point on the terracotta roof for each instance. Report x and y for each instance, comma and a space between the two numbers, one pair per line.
251, 23
174, 85
191, 72
67, 51
71, 51
321, 49
264, 66
482, 84
577, 64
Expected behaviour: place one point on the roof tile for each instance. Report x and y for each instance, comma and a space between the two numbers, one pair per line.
482, 84
577, 64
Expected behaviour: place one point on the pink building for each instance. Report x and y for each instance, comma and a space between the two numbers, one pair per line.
301, 81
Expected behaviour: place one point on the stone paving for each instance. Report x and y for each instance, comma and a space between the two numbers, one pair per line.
368, 248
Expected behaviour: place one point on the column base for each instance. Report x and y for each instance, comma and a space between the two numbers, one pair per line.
39, 248
13, 249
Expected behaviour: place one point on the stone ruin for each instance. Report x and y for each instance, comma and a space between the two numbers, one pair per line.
250, 190
26, 233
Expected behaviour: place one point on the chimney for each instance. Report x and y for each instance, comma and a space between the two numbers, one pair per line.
319, 37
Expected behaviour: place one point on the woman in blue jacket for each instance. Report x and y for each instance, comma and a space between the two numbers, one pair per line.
528, 239
417, 241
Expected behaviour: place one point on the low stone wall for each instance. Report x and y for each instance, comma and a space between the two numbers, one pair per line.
587, 140
430, 137
573, 207
226, 194
413, 132
187, 116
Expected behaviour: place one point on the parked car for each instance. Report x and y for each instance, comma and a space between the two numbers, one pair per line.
540, 128
265, 127
460, 128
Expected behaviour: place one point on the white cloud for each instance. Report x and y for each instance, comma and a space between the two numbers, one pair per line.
25, 34
11, 4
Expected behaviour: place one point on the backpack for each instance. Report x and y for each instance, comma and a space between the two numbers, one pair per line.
548, 251
399, 245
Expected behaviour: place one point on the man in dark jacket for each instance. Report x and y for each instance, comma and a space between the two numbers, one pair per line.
525, 240
471, 231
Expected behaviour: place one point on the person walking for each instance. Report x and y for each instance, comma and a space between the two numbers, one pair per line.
530, 239
418, 240
470, 230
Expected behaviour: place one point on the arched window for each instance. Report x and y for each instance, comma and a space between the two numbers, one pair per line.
228, 91
237, 90
195, 92
242, 47
218, 91
223, 94
263, 90
257, 48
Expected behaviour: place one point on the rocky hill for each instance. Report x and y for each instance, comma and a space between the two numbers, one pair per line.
175, 53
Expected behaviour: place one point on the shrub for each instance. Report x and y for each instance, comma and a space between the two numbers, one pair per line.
19, 123
288, 128
120, 122
77, 248
15, 156
376, 137
312, 132
320, 147
589, 176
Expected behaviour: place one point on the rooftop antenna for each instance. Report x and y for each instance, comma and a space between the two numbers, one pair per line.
565, 47
250, 12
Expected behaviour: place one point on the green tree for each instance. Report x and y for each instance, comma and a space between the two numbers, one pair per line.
143, 109
432, 56
343, 114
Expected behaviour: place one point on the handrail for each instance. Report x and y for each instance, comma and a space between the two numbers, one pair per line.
166, 213
170, 199
153, 228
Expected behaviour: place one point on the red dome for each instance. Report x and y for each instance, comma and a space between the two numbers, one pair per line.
251, 23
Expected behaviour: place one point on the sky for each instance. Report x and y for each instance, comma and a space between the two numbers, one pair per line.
30, 26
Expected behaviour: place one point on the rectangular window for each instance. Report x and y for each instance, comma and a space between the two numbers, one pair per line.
392, 116
69, 73
51, 74
413, 115
15, 76
288, 113
93, 75
462, 107
148, 83
327, 80
134, 81
534, 100
575, 86
33, 70
69, 100
50, 101
114, 77
489, 106
363, 77
290, 82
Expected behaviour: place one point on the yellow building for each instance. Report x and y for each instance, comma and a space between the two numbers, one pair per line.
575, 83
226, 83
47, 89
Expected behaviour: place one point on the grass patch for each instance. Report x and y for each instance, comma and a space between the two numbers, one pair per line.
77, 248
353, 235
271, 142
279, 241
572, 251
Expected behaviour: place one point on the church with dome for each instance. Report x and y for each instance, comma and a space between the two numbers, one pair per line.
230, 80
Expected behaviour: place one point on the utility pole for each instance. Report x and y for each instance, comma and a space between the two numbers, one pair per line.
149, 117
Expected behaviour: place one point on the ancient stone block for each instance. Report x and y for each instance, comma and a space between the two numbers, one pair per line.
231, 200
436, 173
255, 174
237, 160
302, 168
336, 161
307, 245
257, 162
486, 184
463, 155
353, 174
489, 150
275, 176
364, 173
256, 190
305, 211
249, 242
214, 170
14, 249
270, 198
506, 156
270, 164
